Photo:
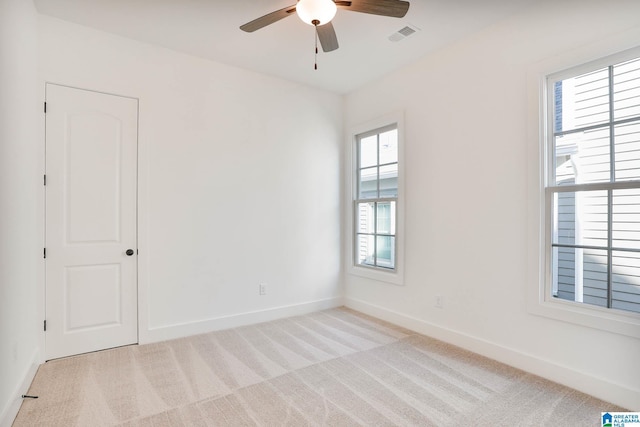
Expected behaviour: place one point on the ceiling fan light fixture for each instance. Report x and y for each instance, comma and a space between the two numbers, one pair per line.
316, 12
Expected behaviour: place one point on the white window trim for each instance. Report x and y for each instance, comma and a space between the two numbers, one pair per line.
539, 299
396, 276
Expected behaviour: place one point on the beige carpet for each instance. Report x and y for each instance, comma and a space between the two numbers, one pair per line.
335, 368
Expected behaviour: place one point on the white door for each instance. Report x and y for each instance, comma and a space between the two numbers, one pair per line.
91, 236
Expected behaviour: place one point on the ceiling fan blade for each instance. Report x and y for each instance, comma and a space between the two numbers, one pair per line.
327, 37
268, 19
392, 8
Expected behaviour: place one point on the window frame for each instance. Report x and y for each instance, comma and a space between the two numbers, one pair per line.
376, 201
383, 274
540, 300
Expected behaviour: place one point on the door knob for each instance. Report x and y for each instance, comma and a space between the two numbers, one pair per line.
129, 252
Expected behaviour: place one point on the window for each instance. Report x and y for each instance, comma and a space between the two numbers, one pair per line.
376, 198
592, 190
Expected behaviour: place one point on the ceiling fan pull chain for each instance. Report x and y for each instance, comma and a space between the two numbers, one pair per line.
315, 23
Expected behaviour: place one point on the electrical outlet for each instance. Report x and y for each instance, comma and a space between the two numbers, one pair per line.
263, 288
439, 301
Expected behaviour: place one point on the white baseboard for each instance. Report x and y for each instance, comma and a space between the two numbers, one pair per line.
9, 412
586, 383
241, 319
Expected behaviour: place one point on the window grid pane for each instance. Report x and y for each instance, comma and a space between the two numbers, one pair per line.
626, 281
626, 94
583, 157
626, 219
627, 151
389, 147
368, 183
585, 100
385, 254
368, 151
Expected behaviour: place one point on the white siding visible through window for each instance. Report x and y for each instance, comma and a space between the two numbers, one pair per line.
595, 186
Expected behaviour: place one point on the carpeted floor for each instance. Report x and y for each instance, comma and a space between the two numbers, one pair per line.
336, 368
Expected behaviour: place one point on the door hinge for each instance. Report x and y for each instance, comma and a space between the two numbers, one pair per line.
44, 252
45, 326
45, 108
45, 180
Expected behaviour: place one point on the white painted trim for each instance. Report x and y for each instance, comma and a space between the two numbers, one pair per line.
10, 411
41, 284
140, 295
241, 319
144, 246
582, 381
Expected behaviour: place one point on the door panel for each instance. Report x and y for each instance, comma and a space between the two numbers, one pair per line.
91, 197
102, 282
93, 211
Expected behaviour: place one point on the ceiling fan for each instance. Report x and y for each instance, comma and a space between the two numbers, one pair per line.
319, 13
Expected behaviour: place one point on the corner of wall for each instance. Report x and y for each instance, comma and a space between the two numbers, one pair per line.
10, 411
21, 244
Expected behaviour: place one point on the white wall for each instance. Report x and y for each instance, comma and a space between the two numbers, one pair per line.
20, 189
218, 144
239, 181
466, 115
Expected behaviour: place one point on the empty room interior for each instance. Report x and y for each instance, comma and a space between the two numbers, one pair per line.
214, 212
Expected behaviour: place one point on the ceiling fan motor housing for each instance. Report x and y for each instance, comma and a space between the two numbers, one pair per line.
316, 12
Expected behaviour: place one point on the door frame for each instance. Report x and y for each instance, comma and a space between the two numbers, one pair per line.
141, 294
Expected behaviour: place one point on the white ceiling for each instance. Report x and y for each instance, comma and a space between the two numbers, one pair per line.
209, 29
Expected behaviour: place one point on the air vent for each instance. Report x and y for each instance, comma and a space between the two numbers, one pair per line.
403, 33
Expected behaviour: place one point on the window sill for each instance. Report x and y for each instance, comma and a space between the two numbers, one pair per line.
590, 316
373, 273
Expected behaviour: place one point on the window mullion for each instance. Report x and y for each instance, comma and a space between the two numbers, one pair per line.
612, 131
356, 228
612, 174
551, 158
395, 231
378, 166
375, 205
604, 185
375, 234
609, 248
595, 127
